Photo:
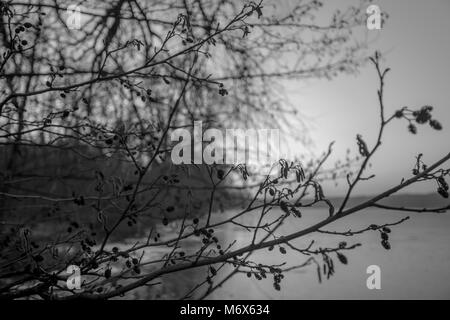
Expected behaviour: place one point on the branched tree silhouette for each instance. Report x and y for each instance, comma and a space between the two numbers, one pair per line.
85, 120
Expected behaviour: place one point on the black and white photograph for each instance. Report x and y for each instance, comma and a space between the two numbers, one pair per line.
224, 150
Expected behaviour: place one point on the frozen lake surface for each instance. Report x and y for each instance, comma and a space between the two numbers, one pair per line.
417, 266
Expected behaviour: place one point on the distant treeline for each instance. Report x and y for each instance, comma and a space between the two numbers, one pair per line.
63, 184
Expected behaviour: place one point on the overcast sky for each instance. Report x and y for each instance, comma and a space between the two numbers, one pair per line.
416, 45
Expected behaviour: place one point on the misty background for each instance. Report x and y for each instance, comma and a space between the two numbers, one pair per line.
414, 43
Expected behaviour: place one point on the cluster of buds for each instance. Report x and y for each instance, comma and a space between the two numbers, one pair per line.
384, 233
421, 116
442, 187
222, 91
424, 115
363, 150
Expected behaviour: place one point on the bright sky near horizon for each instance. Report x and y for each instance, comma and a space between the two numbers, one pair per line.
415, 43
